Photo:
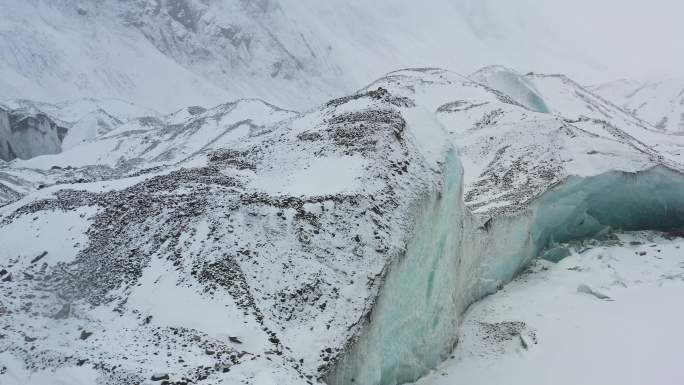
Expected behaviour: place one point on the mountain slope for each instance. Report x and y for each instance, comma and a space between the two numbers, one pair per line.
72, 122
61, 50
167, 54
659, 103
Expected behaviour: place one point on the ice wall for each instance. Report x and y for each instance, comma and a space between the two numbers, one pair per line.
451, 262
412, 326
585, 207
25, 136
5, 134
579, 208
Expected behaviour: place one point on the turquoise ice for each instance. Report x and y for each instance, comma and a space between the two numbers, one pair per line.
450, 262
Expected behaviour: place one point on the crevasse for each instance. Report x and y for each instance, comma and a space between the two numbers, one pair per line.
451, 262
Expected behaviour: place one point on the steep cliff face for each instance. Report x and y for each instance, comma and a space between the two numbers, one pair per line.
414, 321
537, 188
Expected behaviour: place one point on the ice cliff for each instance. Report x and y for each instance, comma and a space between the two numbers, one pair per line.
25, 135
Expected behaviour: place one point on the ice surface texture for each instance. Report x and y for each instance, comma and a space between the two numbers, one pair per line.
412, 325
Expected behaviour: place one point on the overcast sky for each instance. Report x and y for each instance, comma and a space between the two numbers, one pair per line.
623, 38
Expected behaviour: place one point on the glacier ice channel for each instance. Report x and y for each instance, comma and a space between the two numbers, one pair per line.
451, 262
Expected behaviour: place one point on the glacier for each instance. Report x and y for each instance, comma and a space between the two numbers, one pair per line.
449, 264
25, 135
399, 347
340, 245
419, 299
161, 222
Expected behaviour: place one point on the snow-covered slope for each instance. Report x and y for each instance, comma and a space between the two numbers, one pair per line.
278, 237
140, 144
150, 141
659, 103
604, 314
251, 244
71, 111
559, 95
73, 122
168, 54
616, 90
582, 135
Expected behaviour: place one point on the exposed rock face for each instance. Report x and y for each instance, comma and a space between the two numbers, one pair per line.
5, 133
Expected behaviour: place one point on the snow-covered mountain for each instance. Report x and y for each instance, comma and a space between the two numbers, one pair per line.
659, 103
71, 111
168, 54
30, 128
249, 244
187, 196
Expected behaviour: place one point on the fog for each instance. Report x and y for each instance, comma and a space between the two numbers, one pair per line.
611, 38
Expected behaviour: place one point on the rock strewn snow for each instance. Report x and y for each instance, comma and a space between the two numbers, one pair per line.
512, 154
289, 274
210, 207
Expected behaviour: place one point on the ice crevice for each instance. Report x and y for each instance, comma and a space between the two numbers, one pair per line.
455, 258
